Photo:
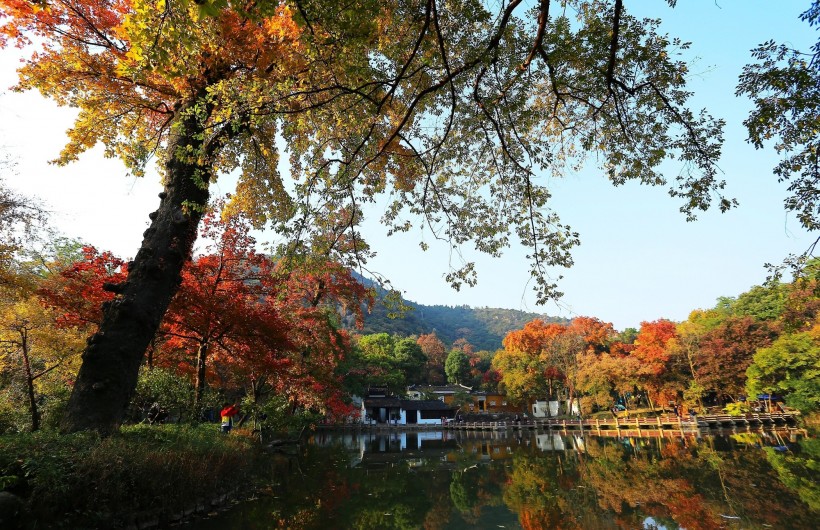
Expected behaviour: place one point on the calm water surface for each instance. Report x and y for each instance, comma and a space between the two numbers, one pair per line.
475, 480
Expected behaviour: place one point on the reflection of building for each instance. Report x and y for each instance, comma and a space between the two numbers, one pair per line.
550, 442
457, 449
556, 442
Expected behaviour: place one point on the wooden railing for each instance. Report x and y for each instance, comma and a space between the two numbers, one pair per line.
655, 423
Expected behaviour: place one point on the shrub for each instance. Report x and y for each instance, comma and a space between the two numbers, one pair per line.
81, 479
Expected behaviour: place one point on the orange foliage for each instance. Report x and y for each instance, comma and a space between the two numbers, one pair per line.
533, 338
597, 334
650, 346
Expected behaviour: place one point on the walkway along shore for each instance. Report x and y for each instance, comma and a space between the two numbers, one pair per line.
655, 426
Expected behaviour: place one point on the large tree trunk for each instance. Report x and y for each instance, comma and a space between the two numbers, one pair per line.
112, 357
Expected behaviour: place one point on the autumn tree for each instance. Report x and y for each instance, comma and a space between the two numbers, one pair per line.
653, 353
596, 334
32, 347
436, 354
77, 289
39, 349
564, 353
555, 353
686, 348
726, 351
311, 298
524, 372
522, 375
802, 305
482, 374
204, 88
224, 306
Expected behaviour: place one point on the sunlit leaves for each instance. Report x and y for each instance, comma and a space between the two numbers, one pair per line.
784, 85
790, 366
451, 110
79, 290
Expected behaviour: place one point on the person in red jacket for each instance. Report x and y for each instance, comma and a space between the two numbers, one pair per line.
227, 415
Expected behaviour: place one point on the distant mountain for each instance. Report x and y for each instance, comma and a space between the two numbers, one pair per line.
483, 327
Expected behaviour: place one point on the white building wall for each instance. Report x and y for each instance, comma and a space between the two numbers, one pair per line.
545, 409
433, 421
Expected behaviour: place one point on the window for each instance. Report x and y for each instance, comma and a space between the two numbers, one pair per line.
504, 403
492, 403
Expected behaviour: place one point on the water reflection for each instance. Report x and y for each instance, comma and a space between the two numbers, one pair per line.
509, 479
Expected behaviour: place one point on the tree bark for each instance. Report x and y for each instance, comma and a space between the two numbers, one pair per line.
32, 399
112, 357
199, 384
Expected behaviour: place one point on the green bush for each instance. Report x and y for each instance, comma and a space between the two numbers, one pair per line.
276, 418
82, 479
14, 412
53, 406
736, 409
173, 392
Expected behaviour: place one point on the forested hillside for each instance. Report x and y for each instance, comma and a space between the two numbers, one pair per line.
483, 327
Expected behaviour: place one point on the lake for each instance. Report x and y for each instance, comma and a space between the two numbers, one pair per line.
534, 480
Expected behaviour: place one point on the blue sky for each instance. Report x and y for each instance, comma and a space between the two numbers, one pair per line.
639, 259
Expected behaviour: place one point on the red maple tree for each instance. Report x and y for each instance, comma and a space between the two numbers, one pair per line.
243, 319
80, 290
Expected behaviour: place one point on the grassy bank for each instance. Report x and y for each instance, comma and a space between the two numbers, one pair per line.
140, 475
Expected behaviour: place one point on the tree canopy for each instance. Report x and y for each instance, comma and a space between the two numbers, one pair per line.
784, 85
450, 110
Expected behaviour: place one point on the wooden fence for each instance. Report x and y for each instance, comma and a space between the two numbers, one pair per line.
604, 426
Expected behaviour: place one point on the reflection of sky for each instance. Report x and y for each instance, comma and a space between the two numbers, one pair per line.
650, 524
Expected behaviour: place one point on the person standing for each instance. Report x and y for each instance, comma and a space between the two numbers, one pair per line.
227, 414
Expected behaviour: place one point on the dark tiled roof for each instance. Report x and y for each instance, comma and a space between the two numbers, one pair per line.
442, 389
428, 404
390, 402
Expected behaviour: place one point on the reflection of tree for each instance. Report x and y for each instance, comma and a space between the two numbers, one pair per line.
691, 487
464, 491
532, 491
321, 488
476, 487
799, 471
616, 484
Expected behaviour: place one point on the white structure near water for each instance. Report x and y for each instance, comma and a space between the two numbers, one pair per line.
548, 409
